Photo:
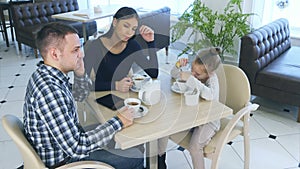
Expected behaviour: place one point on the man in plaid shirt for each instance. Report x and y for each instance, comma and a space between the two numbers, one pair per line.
50, 115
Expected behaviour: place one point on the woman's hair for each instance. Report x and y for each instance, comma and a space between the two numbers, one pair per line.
121, 14
53, 34
209, 57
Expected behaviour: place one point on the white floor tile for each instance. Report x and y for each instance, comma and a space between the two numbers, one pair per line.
10, 156
9, 71
292, 144
3, 135
276, 109
6, 81
177, 160
276, 125
3, 93
29, 66
17, 93
13, 107
21, 80
8, 60
229, 159
256, 131
266, 153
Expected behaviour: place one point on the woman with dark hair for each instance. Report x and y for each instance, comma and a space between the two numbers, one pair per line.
112, 54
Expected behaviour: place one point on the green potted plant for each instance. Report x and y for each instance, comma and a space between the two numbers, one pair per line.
211, 28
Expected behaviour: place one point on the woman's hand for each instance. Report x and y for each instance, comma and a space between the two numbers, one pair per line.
124, 84
126, 116
147, 33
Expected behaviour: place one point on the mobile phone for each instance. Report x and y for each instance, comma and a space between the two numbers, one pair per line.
111, 101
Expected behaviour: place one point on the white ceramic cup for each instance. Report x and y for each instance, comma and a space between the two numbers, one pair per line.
181, 85
138, 81
97, 9
150, 93
133, 103
191, 99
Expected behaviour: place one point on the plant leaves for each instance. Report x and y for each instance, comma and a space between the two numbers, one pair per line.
211, 28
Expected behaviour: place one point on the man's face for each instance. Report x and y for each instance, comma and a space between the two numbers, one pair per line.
71, 56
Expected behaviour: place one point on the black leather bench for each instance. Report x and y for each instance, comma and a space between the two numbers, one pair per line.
30, 17
272, 64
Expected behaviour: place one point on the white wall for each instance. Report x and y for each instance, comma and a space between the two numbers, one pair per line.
215, 4
83, 4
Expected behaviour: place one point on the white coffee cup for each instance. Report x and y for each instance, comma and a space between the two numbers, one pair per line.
191, 98
133, 103
150, 93
138, 81
97, 9
181, 85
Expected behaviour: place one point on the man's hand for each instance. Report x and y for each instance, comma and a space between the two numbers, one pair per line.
79, 71
124, 84
147, 33
125, 114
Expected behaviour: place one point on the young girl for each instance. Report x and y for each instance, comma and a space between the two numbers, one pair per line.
204, 78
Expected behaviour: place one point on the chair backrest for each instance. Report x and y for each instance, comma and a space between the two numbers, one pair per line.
14, 127
234, 87
86, 164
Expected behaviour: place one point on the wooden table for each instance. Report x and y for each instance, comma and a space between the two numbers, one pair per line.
107, 11
169, 116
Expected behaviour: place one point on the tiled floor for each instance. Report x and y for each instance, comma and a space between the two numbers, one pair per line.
275, 134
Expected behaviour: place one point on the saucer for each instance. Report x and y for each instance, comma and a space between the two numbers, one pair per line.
140, 75
134, 89
142, 112
176, 89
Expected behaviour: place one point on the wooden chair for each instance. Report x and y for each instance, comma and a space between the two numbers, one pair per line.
235, 93
14, 128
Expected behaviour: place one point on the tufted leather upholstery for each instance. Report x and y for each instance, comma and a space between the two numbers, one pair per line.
159, 21
271, 63
29, 18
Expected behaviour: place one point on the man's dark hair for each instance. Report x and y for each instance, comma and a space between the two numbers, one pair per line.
53, 34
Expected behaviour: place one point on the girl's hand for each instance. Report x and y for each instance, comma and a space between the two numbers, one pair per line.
181, 62
147, 33
124, 84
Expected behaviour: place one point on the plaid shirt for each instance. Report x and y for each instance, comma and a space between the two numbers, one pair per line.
50, 117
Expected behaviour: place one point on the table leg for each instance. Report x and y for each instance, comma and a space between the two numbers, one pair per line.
84, 32
4, 26
11, 24
152, 151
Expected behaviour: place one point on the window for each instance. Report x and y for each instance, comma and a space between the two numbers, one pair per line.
177, 6
274, 9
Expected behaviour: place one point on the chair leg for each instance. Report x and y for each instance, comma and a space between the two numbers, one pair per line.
167, 50
167, 54
11, 25
19, 46
215, 161
246, 152
4, 26
298, 120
